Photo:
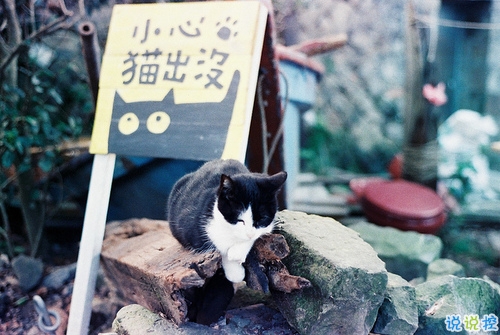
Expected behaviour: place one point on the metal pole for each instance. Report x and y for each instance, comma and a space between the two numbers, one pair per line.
91, 54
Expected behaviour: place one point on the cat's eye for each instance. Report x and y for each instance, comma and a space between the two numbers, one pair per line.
158, 122
240, 221
128, 123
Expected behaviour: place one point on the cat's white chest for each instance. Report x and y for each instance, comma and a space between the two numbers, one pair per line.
225, 235
234, 241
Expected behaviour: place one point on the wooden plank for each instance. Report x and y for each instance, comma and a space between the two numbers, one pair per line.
148, 266
90, 246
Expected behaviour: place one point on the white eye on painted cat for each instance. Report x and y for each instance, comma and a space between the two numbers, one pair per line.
158, 122
205, 209
128, 123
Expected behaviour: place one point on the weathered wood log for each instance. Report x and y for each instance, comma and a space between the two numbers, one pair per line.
281, 280
270, 272
148, 266
271, 247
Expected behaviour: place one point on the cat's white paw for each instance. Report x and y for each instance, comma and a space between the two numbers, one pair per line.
238, 252
236, 255
234, 271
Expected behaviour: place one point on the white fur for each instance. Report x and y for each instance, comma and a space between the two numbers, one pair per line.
234, 241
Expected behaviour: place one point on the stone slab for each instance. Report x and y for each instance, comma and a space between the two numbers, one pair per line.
348, 279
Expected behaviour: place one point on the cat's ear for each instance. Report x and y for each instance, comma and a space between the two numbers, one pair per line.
277, 180
226, 185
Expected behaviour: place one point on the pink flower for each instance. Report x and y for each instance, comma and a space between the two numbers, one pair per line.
435, 94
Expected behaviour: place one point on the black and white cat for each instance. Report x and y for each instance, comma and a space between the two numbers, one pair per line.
224, 206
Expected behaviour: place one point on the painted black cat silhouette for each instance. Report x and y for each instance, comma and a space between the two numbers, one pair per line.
164, 129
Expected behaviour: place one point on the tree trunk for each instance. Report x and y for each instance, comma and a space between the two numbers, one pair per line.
33, 210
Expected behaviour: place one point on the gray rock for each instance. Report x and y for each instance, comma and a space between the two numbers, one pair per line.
493, 284
28, 271
448, 297
254, 319
443, 267
60, 276
4, 304
398, 314
4, 261
405, 253
137, 320
348, 279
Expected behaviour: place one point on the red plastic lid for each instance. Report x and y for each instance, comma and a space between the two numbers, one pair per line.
404, 199
358, 185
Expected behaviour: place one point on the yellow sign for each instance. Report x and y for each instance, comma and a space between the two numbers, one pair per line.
178, 79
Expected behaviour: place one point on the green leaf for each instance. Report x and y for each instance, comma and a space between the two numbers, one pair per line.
8, 159
46, 163
24, 166
56, 96
19, 144
33, 122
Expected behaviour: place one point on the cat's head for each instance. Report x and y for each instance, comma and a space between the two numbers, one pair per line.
248, 202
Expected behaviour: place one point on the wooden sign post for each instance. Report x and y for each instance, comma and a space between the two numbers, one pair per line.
177, 81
